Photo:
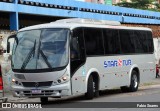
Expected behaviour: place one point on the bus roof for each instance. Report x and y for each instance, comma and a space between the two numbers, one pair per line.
77, 22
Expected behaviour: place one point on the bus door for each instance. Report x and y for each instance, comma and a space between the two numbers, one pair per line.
77, 58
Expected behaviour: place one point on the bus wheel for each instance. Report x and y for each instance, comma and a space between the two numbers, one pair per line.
95, 89
134, 82
90, 88
44, 100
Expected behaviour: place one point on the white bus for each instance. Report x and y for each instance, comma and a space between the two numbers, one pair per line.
80, 56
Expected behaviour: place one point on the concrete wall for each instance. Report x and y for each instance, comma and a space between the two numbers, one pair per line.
157, 49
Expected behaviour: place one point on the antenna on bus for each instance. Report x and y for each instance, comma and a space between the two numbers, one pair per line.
88, 21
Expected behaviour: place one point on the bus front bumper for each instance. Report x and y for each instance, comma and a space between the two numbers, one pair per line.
52, 91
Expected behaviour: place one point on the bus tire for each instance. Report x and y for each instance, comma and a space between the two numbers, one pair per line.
44, 100
90, 88
134, 82
96, 90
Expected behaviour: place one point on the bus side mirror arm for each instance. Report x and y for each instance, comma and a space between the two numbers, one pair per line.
8, 43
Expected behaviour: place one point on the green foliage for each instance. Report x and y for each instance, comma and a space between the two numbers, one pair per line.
124, 4
140, 4
157, 6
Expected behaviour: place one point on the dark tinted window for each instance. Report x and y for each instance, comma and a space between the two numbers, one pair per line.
77, 50
138, 43
126, 40
77, 44
150, 42
111, 41
93, 41
144, 41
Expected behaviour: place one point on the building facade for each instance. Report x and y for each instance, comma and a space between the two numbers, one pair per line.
96, 1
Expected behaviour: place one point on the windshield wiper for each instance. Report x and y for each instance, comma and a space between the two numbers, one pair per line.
45, 59
32, 52
43, 56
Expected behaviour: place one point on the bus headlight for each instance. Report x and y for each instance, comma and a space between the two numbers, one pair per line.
63, 79
14, 82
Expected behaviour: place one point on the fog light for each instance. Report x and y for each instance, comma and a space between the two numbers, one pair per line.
16, 82
59, 81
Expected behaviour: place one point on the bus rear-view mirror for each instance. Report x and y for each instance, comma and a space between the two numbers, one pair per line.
8, 43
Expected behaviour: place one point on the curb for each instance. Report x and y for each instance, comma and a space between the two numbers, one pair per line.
150, 86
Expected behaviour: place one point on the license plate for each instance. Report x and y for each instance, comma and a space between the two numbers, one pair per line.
36, 91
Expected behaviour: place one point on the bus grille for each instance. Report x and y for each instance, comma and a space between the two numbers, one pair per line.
44, 93
37, 84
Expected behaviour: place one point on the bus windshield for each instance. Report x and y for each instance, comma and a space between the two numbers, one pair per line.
41, 49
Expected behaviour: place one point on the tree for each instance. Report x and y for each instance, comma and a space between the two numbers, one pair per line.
140, 4
157, 7
123, 3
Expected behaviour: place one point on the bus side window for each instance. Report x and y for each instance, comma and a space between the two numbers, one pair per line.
74, 48
127, 45
111, 41
93, 41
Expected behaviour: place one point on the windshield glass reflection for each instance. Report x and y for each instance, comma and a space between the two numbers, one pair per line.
41, 49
